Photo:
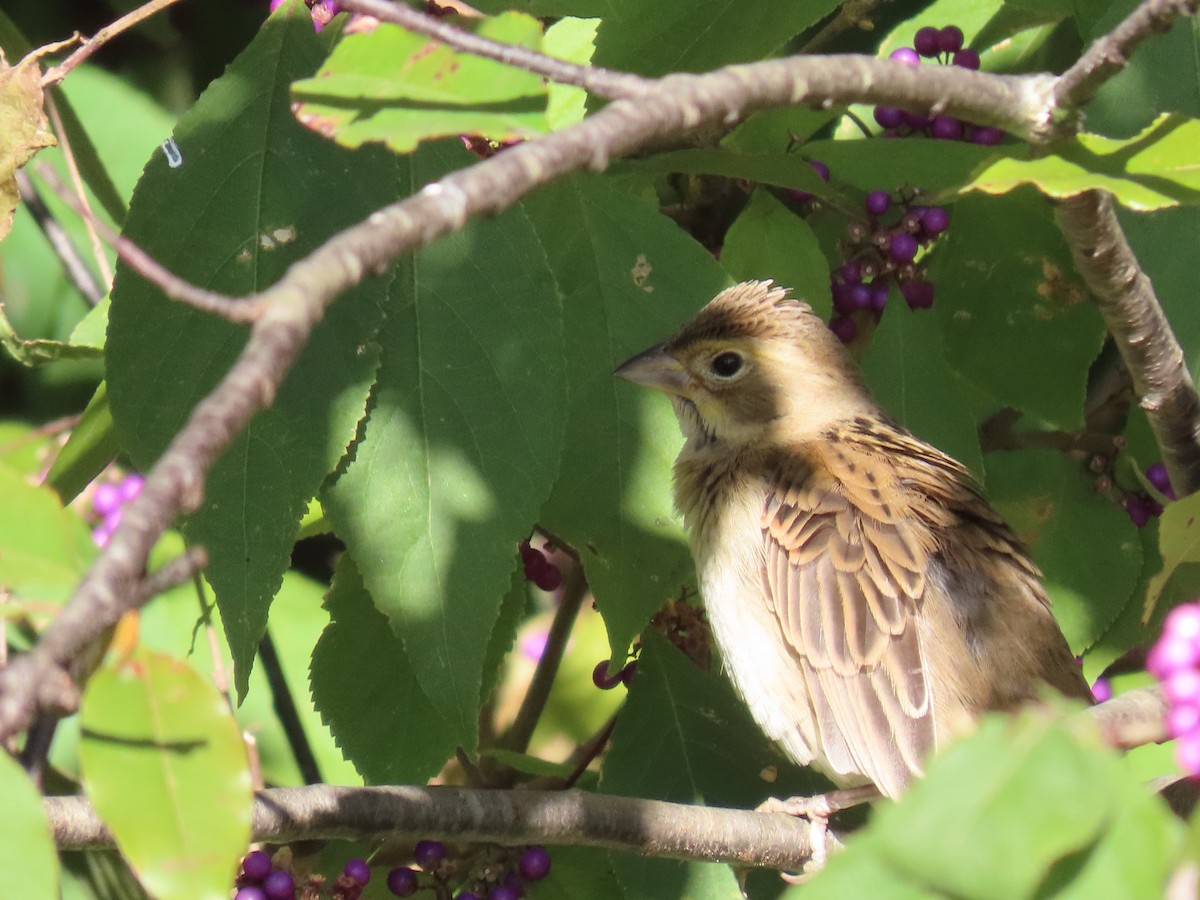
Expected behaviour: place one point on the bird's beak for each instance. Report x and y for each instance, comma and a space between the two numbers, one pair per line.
655, 368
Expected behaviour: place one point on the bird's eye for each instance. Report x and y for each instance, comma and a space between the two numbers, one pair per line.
727, 364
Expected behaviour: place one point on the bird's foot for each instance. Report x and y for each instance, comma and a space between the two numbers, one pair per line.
817, 809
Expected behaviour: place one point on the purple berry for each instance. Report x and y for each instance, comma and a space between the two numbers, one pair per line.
927, 41
950, 39
101, 535
877, 204
851, 272
106, 499
1137, 510
935, 220
534, 863
601, 678
796, 195
844, 327
860, 297
1183, 719
986, 135
357, 870
906, 55
946, 128
1172, 653
504, 892
916, 121
889, 116
917, 294
130, 487
841, 298
257, 865
1157, 476
820, 168
250, 892
467, 895
1102, 690
1187, 752
1184, 621
879, 296
429, 853
903, 248
280, 885
402, 881
967, 59
1183, 687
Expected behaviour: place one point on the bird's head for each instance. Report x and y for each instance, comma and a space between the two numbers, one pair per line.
754, 366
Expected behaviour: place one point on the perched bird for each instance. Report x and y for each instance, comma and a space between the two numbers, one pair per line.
867, 600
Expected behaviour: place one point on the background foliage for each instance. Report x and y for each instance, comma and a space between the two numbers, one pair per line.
443, 410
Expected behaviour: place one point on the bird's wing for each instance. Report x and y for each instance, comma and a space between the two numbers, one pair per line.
846, 575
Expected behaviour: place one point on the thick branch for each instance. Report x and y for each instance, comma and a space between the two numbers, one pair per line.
646, 827
1143, 336
1110, 54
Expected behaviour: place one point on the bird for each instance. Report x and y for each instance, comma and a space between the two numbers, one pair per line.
867, 601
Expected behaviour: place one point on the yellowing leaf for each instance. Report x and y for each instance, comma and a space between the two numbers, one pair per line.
23, 129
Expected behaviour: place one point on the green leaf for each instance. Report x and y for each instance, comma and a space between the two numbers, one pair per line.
368, 694
88, 451
938, 168
575, 41
965, 830
44, 548
165, 768
401, 88
683, 736
629, 278
1051, 502
1178, 542
1016, 320
461, 447
578, 873
255, 192
908, 373
769, 241
1152, 170
27, 850
38, 351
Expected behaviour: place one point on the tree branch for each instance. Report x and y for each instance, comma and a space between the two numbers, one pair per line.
578, 818
1143, 336
1110, 54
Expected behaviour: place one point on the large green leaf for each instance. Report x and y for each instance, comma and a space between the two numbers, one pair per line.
1016, 320
1152, 170
684, 736
368, 694
906, 367
401, 88
1051, 502
629, 278
254, 193
165, 768
461, 447
769, 241
966, 830
44, 548
26, 846
1178, 542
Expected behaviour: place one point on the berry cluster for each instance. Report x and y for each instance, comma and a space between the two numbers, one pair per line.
881, 250
1140, 506
539, 569
499, 877
108, 501
1175, 661
946, 46
261, 879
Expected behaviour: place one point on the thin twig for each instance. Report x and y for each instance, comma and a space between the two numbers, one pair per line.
55, 74
80, 195
575, 589
601, 82
285, 710
235, 309
851, 15
1110, 54
1143, 336
60, 242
